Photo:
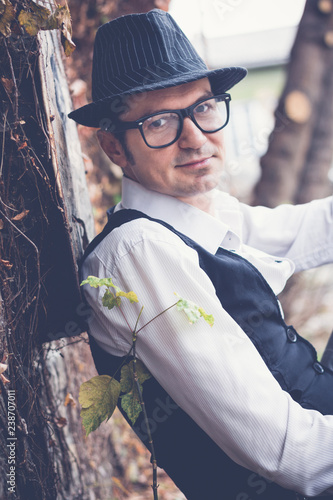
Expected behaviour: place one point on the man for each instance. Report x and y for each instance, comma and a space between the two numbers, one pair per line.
241, 410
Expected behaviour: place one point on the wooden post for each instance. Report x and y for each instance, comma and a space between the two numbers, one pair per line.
45, 223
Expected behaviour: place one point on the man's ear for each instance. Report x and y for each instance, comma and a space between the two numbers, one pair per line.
112, 148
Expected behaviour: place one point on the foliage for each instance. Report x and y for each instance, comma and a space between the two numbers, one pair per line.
193, 312
99, 395
98, 398
33, 18
131, 400
107, 301
7, 15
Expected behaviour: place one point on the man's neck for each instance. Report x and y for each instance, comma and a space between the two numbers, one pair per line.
202, 201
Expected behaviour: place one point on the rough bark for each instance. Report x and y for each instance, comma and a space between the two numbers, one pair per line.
43, 230
300, 150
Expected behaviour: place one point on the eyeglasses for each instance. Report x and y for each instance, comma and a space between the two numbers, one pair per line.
163, 128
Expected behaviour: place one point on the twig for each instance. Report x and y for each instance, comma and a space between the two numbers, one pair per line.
142, 403
37, 263
3, 140
14, 80
165, 310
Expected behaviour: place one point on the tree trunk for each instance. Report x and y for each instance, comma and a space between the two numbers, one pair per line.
45, 222
300, 151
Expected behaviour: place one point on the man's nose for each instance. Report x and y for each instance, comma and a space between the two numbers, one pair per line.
191, 136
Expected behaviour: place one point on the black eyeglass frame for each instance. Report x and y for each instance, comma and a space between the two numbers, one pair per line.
122, 126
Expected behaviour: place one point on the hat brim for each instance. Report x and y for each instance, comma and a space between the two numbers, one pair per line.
93, 114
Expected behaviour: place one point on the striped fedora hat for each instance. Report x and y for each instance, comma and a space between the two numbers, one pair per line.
140, 53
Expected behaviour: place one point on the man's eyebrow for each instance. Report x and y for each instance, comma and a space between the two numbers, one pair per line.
206, 94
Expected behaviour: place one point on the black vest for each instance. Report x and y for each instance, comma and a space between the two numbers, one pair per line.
195, 463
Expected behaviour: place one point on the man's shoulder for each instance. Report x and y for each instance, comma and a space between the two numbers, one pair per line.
124, 239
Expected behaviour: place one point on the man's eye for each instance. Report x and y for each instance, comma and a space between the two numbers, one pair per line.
157, 123
160, 122
203, 108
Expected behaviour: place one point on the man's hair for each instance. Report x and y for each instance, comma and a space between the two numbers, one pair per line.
121, 137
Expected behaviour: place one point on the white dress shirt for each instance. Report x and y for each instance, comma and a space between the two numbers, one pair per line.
215, 374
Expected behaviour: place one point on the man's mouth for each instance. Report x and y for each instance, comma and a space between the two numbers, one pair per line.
197, 163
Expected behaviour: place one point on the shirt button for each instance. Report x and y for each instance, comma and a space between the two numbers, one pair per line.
318, 367
291, 334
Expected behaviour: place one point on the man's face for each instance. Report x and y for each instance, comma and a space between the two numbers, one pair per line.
191, 166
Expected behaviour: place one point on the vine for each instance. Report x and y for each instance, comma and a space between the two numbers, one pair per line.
99, 396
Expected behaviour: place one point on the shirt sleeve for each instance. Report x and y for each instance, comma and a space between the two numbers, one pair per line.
214, 374
302, 233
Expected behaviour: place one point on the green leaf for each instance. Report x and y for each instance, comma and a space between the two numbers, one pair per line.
130, 403
110, 301
209, 318
127, 375
107, 300
190, 309
131, 296
126, 379
98, 398
95, 282
193, 312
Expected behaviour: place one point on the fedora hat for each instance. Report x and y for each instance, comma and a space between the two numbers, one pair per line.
139, 53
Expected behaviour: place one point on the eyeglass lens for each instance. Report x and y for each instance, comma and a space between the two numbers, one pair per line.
162, 129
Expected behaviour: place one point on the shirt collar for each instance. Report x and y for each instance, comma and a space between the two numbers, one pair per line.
206, 230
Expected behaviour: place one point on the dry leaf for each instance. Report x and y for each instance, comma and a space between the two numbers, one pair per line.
6, 263
22, 145
69, 400
62, 18
3, 367
4, 379
61, 421
92, 464
67, 42
36, 20
119, 485
42, 19
7, 15
2, 224
21, 216
7, 83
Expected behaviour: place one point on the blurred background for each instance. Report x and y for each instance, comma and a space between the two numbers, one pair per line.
256, 34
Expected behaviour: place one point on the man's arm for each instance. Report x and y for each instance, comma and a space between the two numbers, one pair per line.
215, 374
302, 233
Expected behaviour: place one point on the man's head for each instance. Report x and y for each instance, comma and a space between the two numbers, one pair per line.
189, 166
144, 64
